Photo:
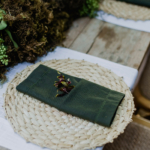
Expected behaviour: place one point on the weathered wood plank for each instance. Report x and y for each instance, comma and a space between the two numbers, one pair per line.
115, 43
118, 44
139, 50
86, 38
128, 44
108, 40
77, 26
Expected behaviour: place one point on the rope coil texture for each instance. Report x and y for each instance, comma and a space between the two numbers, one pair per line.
46, 126
125, 10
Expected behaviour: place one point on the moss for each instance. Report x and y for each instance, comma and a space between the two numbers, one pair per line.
34, 27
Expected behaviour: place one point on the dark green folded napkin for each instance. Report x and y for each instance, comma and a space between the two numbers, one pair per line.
87, 100
138, 2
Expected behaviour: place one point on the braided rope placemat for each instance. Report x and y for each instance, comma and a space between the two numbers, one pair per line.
46, 126
125, 10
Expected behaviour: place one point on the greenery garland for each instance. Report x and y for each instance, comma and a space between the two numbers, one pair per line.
3, 48
89, 8
30, 28
3, 56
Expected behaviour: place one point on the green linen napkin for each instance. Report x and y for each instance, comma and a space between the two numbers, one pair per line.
87, 100
138, 2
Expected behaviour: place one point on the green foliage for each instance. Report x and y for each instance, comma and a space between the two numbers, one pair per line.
11, 38
3, 24
3, 56
89, 8
31, 28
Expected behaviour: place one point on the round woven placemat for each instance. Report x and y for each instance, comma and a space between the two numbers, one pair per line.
46, 126
125, 10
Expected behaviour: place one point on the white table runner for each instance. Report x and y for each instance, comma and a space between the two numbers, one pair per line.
137, 25
13, 141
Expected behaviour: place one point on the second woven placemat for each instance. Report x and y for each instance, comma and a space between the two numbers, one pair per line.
46, 126
125, 10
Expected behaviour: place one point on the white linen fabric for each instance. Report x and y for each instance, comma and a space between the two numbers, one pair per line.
136, 25
11, 140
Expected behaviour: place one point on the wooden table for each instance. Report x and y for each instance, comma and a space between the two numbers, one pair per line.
118, 44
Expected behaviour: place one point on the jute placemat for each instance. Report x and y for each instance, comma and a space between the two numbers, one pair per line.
46, 126
125, 10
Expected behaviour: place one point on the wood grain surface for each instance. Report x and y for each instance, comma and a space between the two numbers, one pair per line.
118, 44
